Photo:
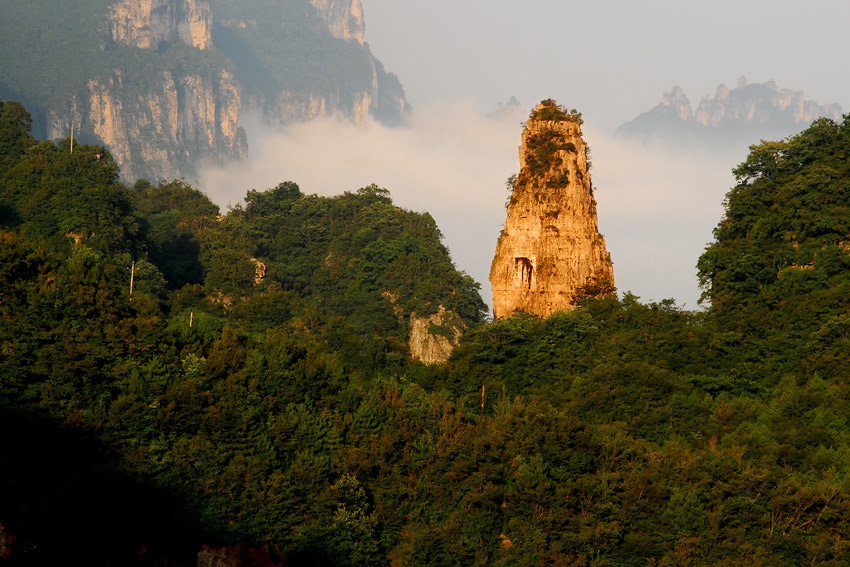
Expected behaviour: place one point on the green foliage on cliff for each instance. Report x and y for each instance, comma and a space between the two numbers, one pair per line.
780, 252
282, 412
542, 152
284, 46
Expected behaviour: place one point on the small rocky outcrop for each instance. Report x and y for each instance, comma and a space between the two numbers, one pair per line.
433, 338
148, 24
550, 253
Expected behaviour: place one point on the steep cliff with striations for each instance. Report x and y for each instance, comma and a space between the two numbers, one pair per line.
164, 83
160, 132
550, 253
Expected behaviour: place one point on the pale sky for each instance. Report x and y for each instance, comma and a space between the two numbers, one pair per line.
611, 60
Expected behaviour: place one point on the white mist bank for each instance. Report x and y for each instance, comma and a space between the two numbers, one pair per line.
656, 209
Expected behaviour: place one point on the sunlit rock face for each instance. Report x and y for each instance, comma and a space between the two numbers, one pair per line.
550, 253
166, 104
176, 120
159, 127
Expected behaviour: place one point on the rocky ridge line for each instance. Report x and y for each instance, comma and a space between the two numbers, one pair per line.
747, 112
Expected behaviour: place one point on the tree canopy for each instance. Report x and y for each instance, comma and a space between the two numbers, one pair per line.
256, 389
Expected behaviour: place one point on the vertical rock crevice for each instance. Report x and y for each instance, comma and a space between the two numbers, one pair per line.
550, 253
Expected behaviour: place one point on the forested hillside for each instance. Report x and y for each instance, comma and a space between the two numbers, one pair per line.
256, 391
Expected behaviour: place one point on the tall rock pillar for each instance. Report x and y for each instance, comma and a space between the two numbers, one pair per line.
550, 253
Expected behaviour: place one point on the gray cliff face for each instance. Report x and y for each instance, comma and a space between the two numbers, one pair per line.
148, 24
291, 106
746, 113
163, 83
343, 17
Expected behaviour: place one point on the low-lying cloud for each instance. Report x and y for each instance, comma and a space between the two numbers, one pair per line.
656, 208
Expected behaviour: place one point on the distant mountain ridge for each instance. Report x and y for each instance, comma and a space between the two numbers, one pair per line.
164, 83
748, 112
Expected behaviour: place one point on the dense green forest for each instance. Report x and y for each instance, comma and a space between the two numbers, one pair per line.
256, 389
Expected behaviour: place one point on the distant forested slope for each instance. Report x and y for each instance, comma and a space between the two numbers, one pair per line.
163, 84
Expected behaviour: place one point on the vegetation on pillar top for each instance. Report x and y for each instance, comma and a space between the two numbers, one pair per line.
551, 110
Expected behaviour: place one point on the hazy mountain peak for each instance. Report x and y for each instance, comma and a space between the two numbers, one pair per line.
677, 100
746, 113
506, 110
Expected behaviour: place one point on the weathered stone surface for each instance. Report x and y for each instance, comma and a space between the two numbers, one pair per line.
433, 338
150, 23
550, 252
184, 118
